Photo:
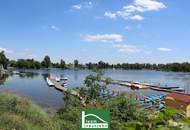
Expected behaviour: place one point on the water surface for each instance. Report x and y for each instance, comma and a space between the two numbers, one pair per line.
35, 87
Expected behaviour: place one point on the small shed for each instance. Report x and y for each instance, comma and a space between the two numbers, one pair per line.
179, 101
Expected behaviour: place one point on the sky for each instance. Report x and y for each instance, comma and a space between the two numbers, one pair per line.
115, 31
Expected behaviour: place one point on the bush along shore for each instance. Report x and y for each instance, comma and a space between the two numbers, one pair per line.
19, 113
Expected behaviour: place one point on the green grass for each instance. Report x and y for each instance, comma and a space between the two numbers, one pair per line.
19, 113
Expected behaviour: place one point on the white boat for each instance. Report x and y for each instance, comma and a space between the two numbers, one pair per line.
178, 89
58, 79
49, 81
16, 72
64, 78
64, 84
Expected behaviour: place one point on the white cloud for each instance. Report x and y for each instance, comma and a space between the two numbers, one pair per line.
148, 5
136, 17
138, 6
55, 28
6, 50
104, 38
110, 14
127, 48
83, 5
51, 27
164, 49
88, 4
77, 7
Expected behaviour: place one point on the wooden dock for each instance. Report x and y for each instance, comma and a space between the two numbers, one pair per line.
149, 86
64, 89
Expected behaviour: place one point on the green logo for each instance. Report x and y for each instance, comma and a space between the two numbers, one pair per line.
96, 119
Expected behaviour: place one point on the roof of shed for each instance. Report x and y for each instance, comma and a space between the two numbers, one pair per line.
180, 97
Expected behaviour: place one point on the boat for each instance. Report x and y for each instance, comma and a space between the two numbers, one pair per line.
58, 79
64, 84
49, 81
16, 72
166, 87
63, 78
178, 89
125, 84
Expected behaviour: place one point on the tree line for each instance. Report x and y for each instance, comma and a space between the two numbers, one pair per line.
47, 63
176, 67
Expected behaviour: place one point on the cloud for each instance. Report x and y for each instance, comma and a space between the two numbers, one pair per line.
6, 50
55, 28
164, 49
83, 5
110, 14
148, 5
138, 6
51, 27
136, 17
104, 38
77, 7
127, 48
88, 4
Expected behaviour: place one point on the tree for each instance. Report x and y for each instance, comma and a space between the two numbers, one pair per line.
13, 63
62, 64
37, 65
46, 62
76, 63
3, 59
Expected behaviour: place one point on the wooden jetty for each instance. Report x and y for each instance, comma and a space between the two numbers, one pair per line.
138, 85
64, 89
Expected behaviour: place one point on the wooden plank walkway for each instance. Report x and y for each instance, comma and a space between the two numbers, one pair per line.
64, 89
153, 87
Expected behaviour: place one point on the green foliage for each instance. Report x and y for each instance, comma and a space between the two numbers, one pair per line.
3, 59
70, 113
13, 63
176, 67
93, 87
62, 64
76, 63
3, 78
26, 64
21, 114
46, 63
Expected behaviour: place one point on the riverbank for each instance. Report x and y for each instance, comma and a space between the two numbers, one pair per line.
20, 113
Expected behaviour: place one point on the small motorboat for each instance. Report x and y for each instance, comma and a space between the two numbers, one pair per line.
49, 81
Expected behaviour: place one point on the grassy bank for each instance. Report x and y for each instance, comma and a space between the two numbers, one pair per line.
19, 113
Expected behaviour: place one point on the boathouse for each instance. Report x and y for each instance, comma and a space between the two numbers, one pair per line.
179, 101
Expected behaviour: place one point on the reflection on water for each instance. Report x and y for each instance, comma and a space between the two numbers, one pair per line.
3, 78
75, 74
45, 75
32, 83
28, 75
